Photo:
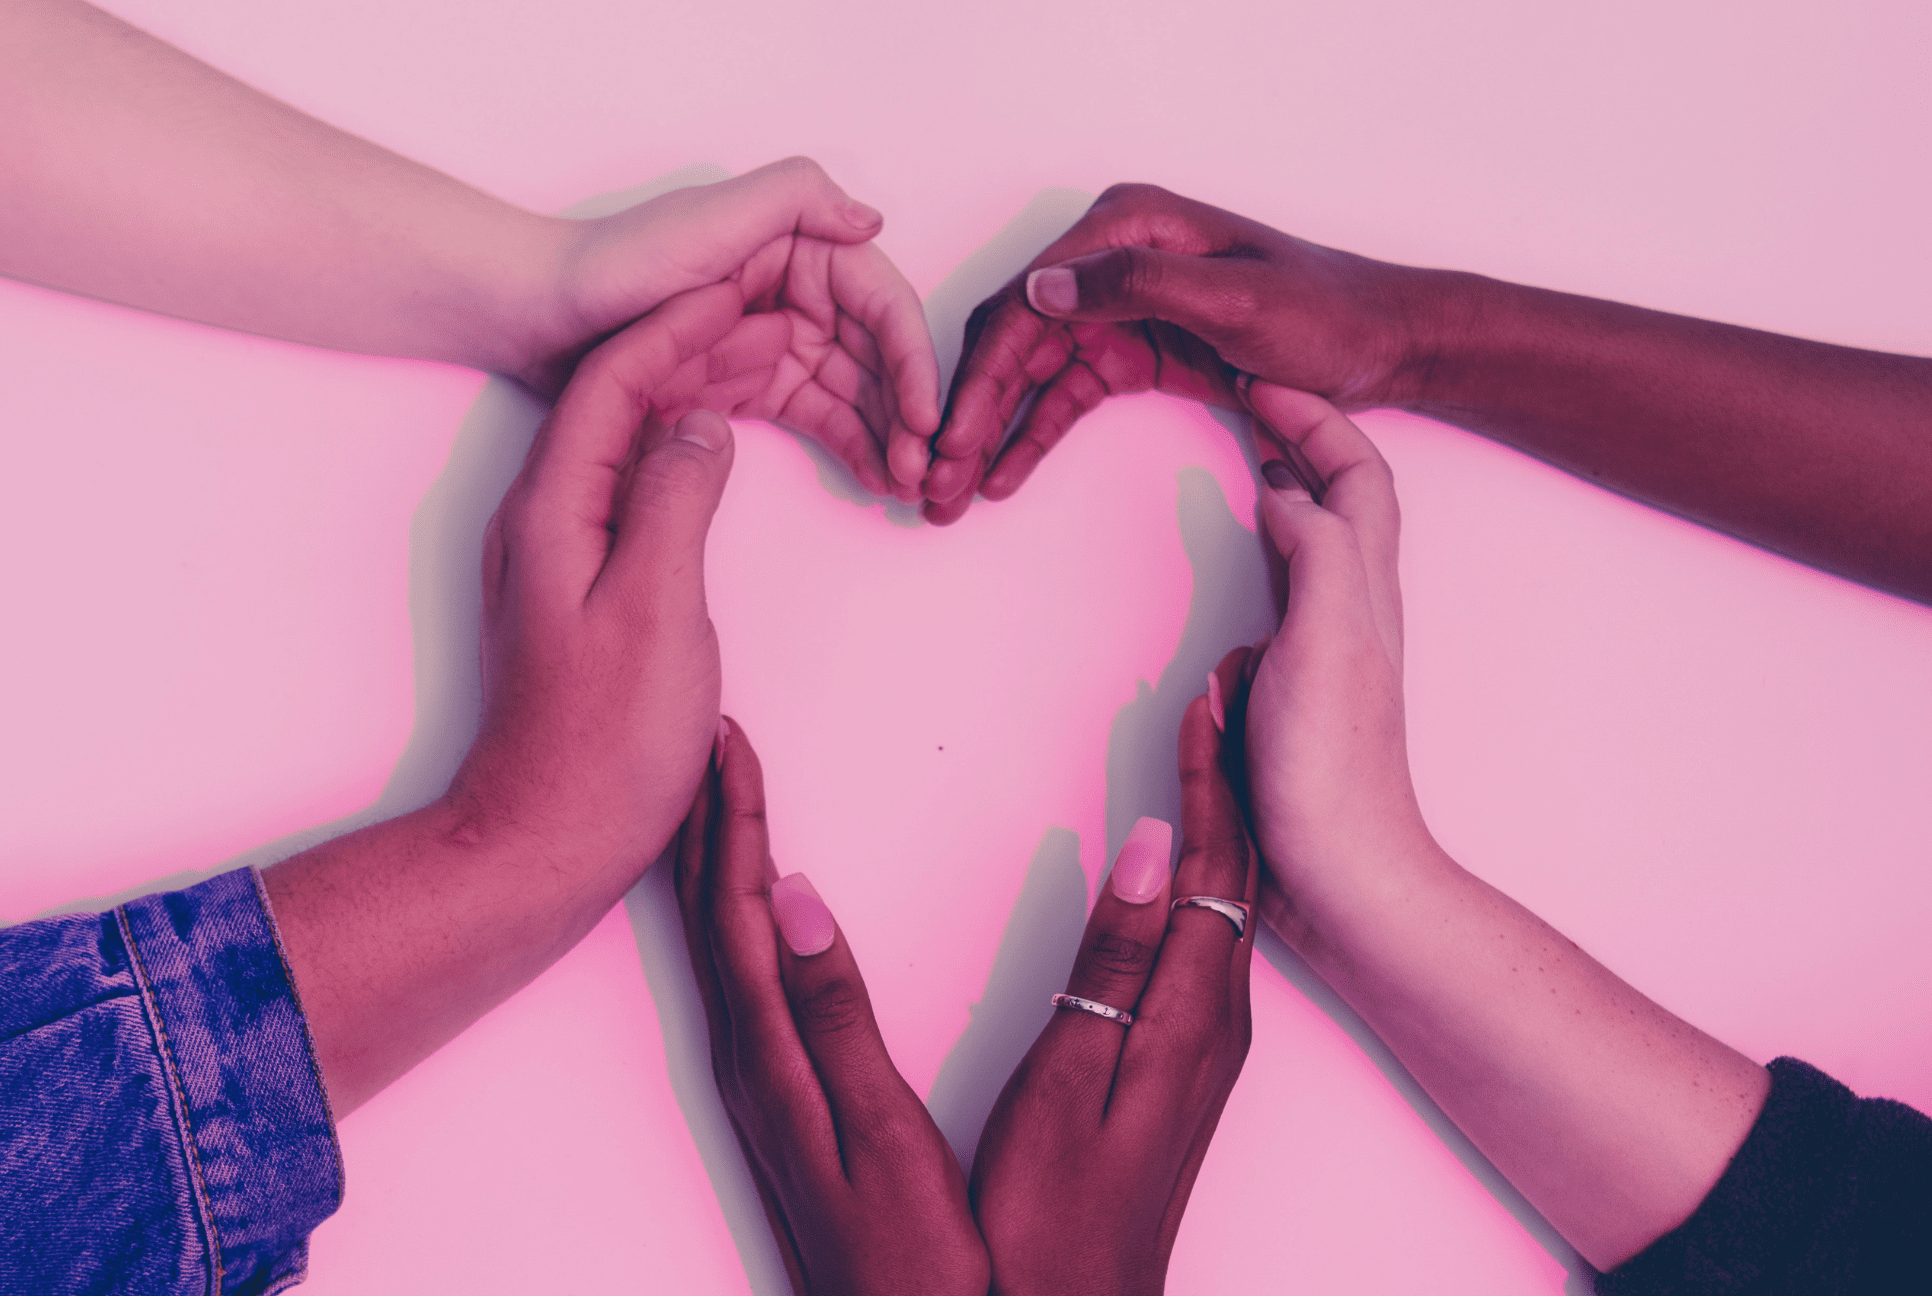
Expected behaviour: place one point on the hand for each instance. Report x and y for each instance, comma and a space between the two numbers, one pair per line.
1327, 757
1090, 1153
858, 376
1151, 290
863, 1193
600, 664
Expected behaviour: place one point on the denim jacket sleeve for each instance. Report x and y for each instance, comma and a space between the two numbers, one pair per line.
163, 1125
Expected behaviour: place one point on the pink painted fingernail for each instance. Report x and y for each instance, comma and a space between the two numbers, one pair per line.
1053, 291
1140, 871
1214, 703
803, 920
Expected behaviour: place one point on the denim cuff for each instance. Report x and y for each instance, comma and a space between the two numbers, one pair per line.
245, 1087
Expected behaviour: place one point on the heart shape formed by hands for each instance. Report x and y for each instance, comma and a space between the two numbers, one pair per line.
816, 335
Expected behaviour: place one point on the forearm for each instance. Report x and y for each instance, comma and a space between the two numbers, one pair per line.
402, 934
1820, 452
1610, 1115
139, 175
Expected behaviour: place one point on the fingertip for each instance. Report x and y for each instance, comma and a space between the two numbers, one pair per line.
1054, 290
803, 919
1142, 868
949, 480
706, 429
909, 459
862, 217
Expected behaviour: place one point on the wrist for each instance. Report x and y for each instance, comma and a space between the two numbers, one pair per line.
1329, 887
1438, 313
534, 330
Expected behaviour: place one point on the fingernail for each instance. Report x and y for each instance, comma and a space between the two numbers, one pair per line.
724, 732
1242, 382
1054, 290
863, 216
704, 428
1214, 703
909, 459
803, 920
1280, 475
1141, 869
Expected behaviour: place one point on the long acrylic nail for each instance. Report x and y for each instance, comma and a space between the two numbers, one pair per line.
1053, 291
1215, 708
1141, 869
803, 920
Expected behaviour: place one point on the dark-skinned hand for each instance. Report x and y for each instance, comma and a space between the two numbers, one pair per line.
1151, 291
1087, 1160
863, 1192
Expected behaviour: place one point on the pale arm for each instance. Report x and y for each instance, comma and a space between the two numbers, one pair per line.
139, 175
136, 174
1613, 1117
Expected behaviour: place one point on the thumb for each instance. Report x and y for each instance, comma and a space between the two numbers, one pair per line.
1316, 559
666, 513
1207, 296
715, 227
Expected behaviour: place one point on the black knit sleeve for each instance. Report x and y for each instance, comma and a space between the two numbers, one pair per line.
1830, 1194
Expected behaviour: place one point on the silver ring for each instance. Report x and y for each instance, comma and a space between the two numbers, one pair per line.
1093, 1006
1232, 910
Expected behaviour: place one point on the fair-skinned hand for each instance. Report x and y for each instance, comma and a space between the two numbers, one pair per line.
1088, 1158
858, 374
863, 1192
1613, 1117
1153, 291
1327, 758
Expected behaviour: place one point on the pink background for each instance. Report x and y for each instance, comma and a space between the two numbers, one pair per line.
1707, 765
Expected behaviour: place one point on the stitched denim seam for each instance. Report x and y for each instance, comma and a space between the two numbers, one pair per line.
177, 1102
308, 1037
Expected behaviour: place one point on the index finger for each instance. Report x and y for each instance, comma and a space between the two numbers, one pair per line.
869, 288
767, 1054
1196, 1002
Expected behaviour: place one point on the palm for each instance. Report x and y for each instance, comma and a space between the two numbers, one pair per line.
840, 378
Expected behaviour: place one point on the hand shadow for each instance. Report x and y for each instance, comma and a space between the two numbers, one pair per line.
1229, 607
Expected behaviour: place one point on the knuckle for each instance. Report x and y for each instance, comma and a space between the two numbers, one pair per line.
1119, 956
1139, 272
1135, 193
837, 1006
744, 818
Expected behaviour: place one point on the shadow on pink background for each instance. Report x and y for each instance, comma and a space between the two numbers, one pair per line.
242, 596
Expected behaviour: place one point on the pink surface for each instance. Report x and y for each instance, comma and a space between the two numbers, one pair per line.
1707, 765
